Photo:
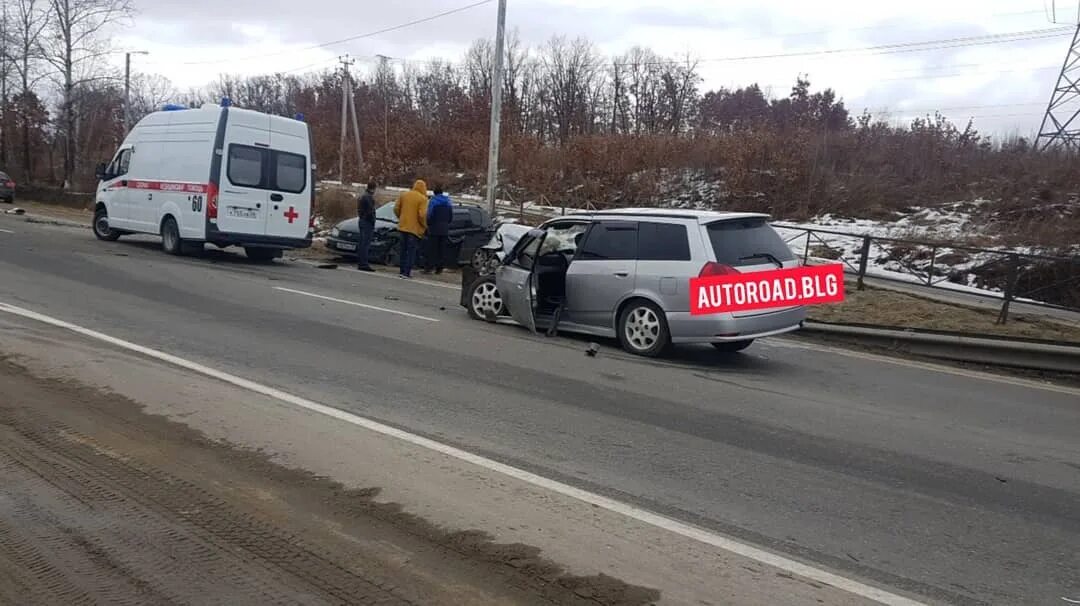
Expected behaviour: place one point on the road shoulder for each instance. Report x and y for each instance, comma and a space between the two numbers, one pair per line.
586, 541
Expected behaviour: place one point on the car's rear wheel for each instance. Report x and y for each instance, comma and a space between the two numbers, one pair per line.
170, 237
261, 255
643, 329
733, 346
485, 301
102, 231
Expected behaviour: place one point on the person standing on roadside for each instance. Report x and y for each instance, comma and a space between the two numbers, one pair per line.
365, 210
440, 213
411, 211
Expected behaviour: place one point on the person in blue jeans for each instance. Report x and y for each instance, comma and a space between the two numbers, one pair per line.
439, 215
365, 210
411, 211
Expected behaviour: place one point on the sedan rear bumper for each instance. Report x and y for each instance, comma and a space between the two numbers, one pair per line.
720, 328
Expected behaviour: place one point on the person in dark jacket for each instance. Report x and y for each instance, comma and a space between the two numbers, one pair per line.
440, 213
365, 210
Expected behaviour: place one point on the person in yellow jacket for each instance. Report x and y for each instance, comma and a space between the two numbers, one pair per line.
411, 211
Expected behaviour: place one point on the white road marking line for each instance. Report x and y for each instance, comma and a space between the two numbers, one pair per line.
6, 231
355, 304
960, 372
387, 276
636, 513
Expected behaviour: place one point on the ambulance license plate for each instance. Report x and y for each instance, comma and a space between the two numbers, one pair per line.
241, 213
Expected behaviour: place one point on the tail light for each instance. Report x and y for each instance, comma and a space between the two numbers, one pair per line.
712, 268
212, 201
10, 184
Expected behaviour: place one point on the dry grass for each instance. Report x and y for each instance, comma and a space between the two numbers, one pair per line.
894, 309
335, 205
48, 209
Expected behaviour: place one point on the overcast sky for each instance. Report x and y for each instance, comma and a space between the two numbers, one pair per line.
1003, 86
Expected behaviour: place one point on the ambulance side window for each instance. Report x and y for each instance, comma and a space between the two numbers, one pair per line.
246, 166
290, 172
119, 165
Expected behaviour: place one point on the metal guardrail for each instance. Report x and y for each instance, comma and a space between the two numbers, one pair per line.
998, 351
1015, 265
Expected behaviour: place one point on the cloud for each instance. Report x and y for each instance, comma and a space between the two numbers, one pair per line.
192, 42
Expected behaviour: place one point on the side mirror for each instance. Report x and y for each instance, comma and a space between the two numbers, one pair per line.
102, 172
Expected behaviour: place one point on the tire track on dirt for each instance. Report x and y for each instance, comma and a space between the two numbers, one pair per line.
160, 537
102, 503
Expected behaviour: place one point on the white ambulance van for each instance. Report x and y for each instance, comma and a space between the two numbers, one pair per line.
217, 174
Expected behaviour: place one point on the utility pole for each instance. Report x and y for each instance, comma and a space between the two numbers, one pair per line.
355, 127
496, 109
345, 88
384, 73
127, 87
127, 92
1060, 125
3, 88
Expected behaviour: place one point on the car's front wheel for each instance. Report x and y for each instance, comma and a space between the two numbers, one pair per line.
102, 231
733, 346
643, 329
485, 302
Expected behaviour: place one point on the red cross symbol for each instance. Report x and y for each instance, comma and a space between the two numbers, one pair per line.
291, 215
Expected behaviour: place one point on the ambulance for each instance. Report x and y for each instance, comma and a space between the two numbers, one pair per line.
217, 174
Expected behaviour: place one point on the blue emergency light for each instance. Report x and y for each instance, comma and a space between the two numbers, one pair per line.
299, 117
226, 102
171, 107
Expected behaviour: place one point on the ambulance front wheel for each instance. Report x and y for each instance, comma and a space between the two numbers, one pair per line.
102, 231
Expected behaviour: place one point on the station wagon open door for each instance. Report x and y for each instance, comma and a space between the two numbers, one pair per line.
514, 279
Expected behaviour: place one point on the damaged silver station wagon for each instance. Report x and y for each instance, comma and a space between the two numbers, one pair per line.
626, 274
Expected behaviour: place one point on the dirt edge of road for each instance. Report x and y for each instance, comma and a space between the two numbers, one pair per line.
115, 451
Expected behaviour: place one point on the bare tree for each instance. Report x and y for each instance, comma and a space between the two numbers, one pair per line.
644, 89
573, 72
29, 20
74, 47
479, 68
148, 93
679, 93
5, 74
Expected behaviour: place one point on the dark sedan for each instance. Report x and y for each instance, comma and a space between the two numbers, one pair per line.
470, 229
7, 188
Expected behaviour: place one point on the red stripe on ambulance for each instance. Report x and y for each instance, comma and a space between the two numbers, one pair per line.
188, 188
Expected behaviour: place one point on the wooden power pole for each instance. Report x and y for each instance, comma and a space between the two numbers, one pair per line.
345, 95
355, 128
496, 108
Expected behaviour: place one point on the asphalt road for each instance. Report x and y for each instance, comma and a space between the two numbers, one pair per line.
950, 484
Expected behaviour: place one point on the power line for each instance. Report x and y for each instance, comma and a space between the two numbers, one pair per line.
881, 49
371, 34
901, 47
867, 28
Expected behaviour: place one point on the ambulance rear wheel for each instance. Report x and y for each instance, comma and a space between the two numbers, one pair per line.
170, 237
